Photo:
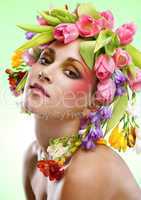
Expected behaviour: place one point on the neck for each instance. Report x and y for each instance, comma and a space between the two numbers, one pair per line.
45, 129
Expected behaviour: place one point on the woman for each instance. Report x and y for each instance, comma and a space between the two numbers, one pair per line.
90, 171
60, 91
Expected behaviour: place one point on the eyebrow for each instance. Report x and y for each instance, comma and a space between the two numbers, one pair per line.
73, 60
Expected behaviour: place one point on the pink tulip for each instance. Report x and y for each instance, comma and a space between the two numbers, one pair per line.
108, 19
122, 58
135, 82
41, 20
104, 67
126, 33
66, 32
87, 26
105, 91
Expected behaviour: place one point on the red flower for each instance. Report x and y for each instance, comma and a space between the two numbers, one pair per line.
12, 81
21, 75
51, 168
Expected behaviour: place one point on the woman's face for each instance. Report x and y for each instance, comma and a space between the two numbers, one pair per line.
67, 82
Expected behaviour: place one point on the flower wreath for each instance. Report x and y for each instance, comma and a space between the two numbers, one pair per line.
117, 67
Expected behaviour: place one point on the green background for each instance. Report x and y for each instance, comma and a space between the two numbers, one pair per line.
16, 129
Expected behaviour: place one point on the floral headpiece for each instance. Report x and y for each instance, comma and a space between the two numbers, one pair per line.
106, 51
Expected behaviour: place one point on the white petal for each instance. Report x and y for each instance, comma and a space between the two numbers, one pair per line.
138, 133
138, 146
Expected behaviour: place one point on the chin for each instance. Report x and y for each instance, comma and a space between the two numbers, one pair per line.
34, 104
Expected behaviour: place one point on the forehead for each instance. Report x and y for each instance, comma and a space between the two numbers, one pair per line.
63, 51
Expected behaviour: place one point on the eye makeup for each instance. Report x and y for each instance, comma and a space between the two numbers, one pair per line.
73, 68
47, 56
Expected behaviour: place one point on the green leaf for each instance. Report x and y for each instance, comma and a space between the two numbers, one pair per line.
21, 68
87, 52
88, 9
119, 109
112, 45
35, 28
50, 19
132, 69
21, 84
63, 15
135, 54
104, 38
37, 40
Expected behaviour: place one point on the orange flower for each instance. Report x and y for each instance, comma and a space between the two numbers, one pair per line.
101, 141
117, 139
17, 58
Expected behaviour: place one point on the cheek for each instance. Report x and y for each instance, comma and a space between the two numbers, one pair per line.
81, 86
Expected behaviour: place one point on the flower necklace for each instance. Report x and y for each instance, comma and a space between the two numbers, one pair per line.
61, 150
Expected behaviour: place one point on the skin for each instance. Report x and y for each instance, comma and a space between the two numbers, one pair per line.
69, 99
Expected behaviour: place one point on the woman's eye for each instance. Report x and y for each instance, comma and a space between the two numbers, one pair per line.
72, 74
45, 60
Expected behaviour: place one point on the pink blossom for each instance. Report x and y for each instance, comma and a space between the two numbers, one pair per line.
104, 67
66, 32
126, 33
122, 58
41, 20
135, 82
87, 26
108, 19
105, 91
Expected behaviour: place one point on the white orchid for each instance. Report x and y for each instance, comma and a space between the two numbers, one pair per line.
57, 150
138, 133
138, 140
138, 146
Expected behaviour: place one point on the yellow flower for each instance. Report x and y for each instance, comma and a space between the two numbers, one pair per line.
117, 139
62, 160
16, 58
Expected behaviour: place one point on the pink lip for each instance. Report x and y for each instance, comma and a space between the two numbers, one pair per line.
37, 87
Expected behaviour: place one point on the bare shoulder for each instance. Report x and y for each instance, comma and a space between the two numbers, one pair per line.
29, 166
99, 174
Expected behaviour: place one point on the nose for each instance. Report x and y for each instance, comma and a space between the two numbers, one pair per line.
44, 76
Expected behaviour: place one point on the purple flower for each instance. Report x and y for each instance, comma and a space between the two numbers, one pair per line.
120, 78
88, 144
96, 133
94, 118
83, 122
93, 135
105, 113
29, 35
120, 91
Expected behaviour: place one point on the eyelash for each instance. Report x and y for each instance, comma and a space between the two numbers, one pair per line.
77, 75
45, 61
